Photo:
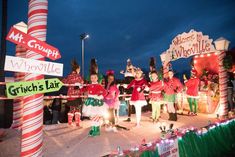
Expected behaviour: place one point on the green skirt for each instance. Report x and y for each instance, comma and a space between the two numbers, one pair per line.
94, 102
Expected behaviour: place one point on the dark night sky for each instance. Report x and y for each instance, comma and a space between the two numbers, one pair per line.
136, 29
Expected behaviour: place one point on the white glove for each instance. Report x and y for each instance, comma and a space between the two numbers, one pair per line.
146, 88
125, 85
138, 89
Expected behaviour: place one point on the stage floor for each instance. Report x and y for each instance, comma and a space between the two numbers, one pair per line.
62, 140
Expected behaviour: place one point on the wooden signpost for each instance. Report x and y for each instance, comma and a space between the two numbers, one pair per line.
25, 65
33, 44
16, 89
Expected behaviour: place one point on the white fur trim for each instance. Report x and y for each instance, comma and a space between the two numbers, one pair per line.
190, 96
127, 74
92, 111
139, 103
99, 97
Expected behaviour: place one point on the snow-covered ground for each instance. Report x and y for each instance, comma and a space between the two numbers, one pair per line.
62, 140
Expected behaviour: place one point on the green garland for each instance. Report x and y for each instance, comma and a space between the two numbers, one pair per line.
228, 62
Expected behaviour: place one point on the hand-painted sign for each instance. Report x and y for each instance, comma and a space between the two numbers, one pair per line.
169, 148
16, 89
188, 44
33, 44
25, 65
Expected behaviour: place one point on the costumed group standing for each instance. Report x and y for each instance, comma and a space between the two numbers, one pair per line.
99, 99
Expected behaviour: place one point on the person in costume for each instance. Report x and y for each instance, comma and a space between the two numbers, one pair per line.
112, 100
74, 104
94, 105
129, 75
137, 97
155, 95
192, 86
172, 86
94, 69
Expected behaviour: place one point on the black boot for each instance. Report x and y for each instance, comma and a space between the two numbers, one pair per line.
170, 116
174, 117
128, 120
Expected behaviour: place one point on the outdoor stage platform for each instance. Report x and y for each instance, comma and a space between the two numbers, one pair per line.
62, 140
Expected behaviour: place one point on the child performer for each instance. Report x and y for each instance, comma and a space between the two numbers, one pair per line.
129, 75
94, 106
138, 98
192, 91
111, 99
155, 95
171, 87
74, 103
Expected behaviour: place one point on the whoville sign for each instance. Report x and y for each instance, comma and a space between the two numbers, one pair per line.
188, 44
16, 89
18, 37
27, 65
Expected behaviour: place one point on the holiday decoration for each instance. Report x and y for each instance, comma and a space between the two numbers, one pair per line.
32, 135
17, 106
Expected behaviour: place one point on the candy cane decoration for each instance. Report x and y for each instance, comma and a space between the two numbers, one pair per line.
17, 104
223, 79
32, 135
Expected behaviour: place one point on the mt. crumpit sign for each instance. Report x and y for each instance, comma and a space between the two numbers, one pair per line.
33, 44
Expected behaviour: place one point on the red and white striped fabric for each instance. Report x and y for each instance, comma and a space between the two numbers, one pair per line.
32, 135
95, 121
17, 104
223, 79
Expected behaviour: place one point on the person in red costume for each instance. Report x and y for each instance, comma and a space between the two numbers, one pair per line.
74, 103
192, 91
172, 86
155, 95
137, 97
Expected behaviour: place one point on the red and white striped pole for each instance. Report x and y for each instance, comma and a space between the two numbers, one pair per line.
223, 88
32, 135
17, 104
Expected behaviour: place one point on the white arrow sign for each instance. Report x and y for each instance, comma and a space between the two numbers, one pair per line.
25, 65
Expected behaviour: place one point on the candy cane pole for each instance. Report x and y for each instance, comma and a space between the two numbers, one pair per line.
32, 135
223, 79
17, 104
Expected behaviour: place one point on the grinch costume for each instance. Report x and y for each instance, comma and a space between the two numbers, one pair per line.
171, 87
156, 98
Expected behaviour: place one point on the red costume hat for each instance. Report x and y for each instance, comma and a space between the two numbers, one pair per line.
109, 72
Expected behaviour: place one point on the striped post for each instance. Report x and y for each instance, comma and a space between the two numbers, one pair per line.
223, 80
32, 135
17, 104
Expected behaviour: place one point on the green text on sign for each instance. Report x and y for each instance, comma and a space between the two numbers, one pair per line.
16, 89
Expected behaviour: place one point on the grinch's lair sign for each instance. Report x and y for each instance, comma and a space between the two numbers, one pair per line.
188, 44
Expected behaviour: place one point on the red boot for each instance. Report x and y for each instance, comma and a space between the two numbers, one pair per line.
77, 118
70, 118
